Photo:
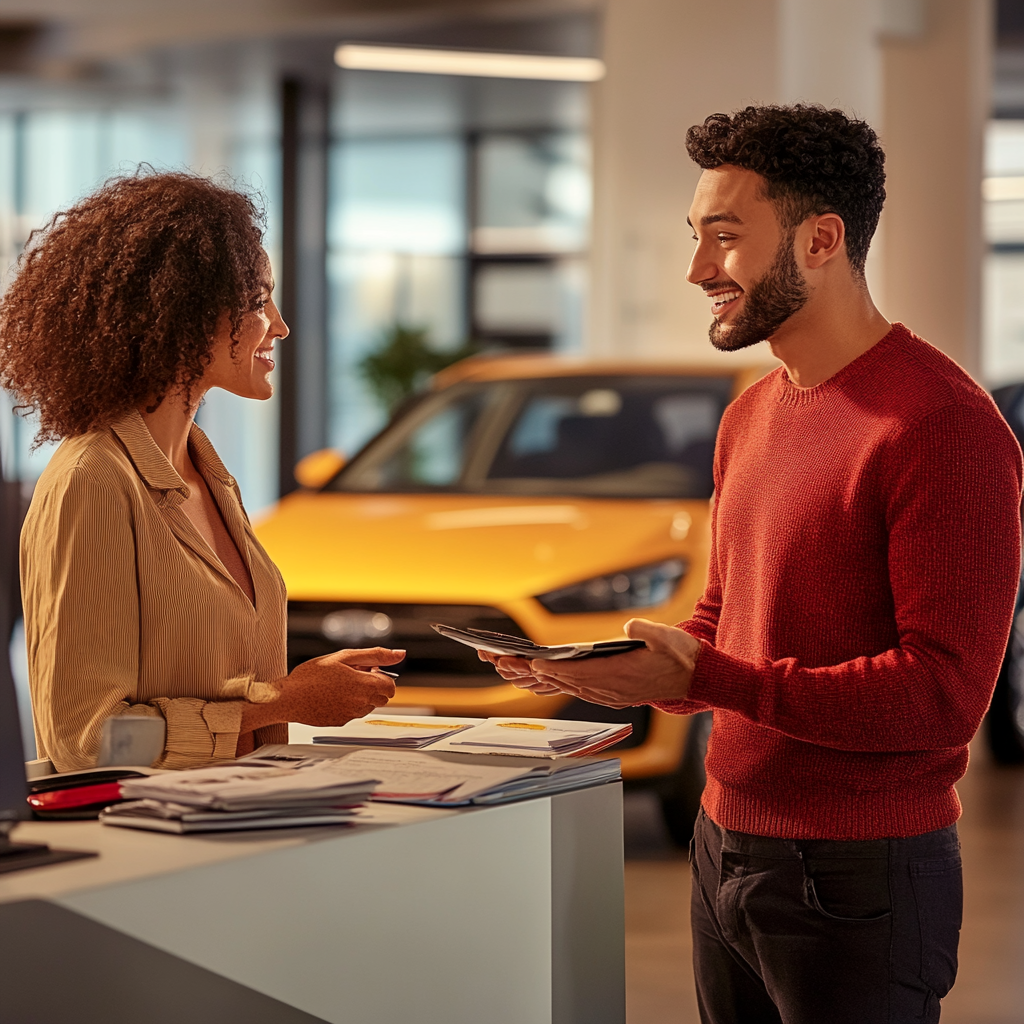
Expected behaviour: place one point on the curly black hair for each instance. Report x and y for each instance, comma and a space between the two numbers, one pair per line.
813, 161
116, 301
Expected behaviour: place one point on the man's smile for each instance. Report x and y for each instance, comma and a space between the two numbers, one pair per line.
722, 297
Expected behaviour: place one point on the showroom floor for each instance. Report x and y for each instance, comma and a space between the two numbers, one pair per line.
990, 987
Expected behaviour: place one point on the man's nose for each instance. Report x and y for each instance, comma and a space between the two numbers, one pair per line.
702, 267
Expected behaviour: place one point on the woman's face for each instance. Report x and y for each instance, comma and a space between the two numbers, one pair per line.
242, 364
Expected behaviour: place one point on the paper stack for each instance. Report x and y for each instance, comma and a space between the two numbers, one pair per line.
537, 737
450, 780
524, 737
252, 794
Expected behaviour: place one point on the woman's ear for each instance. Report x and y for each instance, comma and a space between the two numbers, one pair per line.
824, 240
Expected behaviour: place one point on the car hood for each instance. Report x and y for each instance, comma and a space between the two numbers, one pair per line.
462, 548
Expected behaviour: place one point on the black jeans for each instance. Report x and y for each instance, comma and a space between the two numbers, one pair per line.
823, 932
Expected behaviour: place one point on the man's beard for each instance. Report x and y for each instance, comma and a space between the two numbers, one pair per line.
769, 304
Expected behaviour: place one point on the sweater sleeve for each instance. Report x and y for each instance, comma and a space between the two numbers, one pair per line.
951, 492
82, 631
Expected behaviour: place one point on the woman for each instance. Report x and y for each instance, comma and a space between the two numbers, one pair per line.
145, 590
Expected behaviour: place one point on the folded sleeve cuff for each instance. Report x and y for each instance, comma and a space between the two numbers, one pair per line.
198, 731
252, 690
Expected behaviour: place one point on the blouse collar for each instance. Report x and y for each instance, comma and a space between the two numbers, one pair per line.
154, 467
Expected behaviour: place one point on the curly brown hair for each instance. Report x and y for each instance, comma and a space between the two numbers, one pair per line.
116, 301
813, 161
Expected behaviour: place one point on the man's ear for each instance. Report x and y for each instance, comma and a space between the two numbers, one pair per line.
823, 238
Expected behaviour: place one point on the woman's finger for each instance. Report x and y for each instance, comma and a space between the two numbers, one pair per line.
370, 656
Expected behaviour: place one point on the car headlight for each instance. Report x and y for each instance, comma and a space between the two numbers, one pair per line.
643, 587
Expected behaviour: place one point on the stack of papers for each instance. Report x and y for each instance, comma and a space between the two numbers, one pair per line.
447, 780
536, 737
250, 794
398, 732
517, 647
524, 737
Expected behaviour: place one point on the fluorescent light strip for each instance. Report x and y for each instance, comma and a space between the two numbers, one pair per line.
1002, 189
465, 62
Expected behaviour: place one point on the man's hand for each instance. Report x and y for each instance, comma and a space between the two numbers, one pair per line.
330, 690
661, 672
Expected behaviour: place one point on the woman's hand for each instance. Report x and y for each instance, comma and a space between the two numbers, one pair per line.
330, 690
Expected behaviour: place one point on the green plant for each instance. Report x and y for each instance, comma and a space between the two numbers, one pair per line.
403, 361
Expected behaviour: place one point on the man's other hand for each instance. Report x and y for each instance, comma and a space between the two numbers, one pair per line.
661, 672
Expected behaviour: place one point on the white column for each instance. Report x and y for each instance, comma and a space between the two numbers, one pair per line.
670, 64
937, 90
917, 70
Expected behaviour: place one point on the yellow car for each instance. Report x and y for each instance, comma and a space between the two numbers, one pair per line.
533, 495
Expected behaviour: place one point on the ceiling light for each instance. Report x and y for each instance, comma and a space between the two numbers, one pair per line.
480, 64
1001, 189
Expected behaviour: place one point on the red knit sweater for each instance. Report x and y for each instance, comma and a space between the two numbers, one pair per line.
865, 559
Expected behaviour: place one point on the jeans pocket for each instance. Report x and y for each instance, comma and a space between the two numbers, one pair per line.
939, 894
854, 890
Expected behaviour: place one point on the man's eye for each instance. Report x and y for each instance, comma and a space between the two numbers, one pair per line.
726, 238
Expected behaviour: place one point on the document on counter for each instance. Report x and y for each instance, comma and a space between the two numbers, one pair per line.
408, 775
524, 737
536, 737
398, 732
242, 795
449, 779
253, 785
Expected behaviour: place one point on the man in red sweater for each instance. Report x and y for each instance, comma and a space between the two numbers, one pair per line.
864, 564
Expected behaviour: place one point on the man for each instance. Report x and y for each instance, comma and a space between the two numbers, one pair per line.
865, 555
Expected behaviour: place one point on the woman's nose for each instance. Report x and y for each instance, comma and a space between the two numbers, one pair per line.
277, 325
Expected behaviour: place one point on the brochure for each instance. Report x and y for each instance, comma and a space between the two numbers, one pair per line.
524, 737
398, 732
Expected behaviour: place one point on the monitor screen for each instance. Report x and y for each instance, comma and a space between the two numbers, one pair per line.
13, 787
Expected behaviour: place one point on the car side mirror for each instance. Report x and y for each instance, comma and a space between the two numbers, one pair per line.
315, 469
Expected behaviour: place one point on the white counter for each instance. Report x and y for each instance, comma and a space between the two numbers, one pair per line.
502, 915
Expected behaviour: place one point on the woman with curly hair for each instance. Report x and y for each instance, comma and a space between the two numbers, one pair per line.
145, 589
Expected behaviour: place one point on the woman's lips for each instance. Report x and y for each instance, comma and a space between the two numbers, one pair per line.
265, 356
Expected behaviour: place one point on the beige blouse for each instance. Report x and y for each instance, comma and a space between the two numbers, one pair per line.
129, 611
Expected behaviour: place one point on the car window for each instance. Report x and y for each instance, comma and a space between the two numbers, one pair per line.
425, 450
628, 436
605, 436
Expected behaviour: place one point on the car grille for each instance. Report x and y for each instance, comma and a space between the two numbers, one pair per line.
321, 627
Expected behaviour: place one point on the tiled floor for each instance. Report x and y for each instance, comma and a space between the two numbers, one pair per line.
990, 986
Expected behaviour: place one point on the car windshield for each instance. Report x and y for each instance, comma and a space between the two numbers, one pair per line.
601, 436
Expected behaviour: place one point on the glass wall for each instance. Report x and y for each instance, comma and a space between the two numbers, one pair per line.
461, 206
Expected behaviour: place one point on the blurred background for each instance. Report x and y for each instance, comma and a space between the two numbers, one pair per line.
416, 217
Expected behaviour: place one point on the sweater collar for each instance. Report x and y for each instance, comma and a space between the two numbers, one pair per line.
790, 394
154, 467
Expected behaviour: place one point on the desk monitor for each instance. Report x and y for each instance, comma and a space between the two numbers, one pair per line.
13, 787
